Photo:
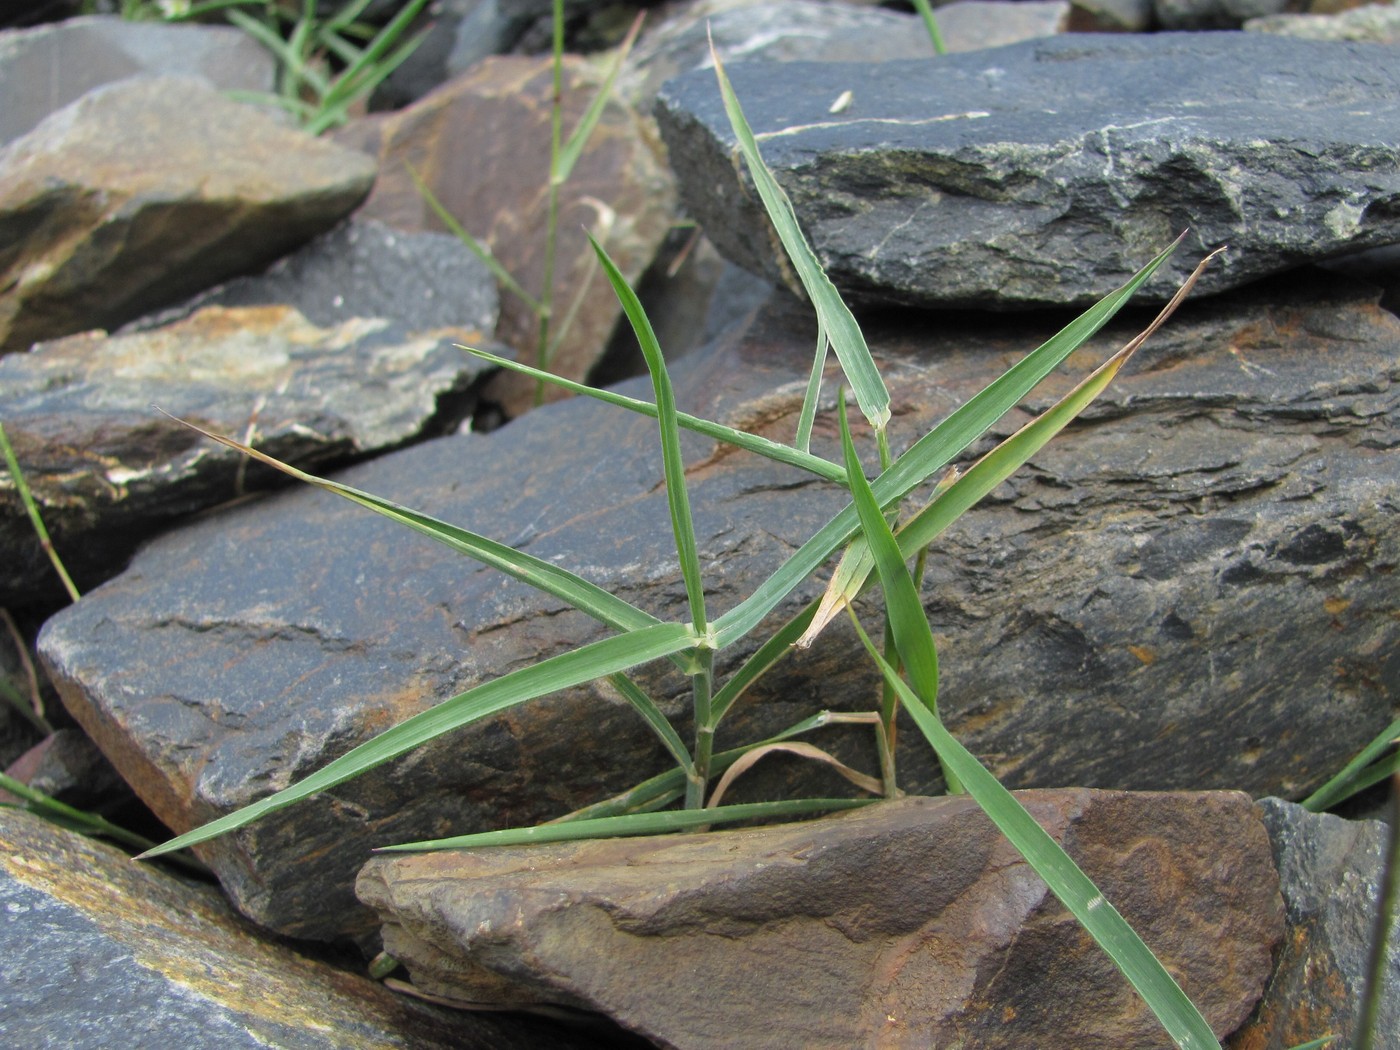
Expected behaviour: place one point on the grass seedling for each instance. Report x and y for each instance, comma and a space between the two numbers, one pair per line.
872, 548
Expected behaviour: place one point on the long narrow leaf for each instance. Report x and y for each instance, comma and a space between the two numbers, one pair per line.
930, 454
573, 147
1075, 890
912, 635
755, 443
611, 610
833, 315
808, 415
596, 660
677, 496
374, 53
634, 824
1355, 776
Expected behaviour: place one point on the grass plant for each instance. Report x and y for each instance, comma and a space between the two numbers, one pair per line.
874, 549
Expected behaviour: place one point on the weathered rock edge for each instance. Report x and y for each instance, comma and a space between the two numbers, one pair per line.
913, 923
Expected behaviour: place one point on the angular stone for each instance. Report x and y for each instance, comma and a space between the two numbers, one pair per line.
107, 470
1191, 589
1330, 872
906, 924
97, 228
96, 949
1110, 16
1214, 14
45, 68
1374, 24
481, 143
991, 199
364, 269
813, 31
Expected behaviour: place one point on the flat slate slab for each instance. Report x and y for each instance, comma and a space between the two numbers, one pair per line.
97, 951
1188, 590
1041, 172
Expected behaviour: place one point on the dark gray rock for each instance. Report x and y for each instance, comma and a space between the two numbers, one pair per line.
44, 69
1047, 168
1112, 16
364, 269
98, 228
1214, 14
1330, 872
107, 470
1192, 589
953, 942
97, 951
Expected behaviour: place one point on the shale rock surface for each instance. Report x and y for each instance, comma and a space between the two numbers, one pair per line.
97, 228
106, 469
1045, 170
97, 951
907, 924
1193, 588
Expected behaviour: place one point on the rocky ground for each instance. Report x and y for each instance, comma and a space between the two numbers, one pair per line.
1184, 604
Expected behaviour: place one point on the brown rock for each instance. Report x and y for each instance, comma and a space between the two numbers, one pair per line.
910, 924
148, 190
481, 143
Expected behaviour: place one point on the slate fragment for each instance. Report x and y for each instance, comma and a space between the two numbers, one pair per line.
1192, 588
107, 470
97, 229
1330, 871
97, 950
1047, 169
906, 924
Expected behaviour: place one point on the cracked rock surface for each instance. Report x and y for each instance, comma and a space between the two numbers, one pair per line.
1043, 171
1191, 588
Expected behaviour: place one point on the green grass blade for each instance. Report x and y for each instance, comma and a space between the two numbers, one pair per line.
31, 508
473, 245
913, 636
931, 453
832, 313
1075, 890
596, 660
536, 572
1356, 775
651, 714
634, 824
808, 416
768, 654
762, 446
935, 36
677, 495
573, 147
344, 87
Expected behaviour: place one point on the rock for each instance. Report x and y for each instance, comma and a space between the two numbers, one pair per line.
994, 201
814, 31
956, 942
1110, 16
1214, 14
107, 470
1330, 870
99, 228
461, 34
1189, 590
94, 945
481, 144
68, 59
364, 269
1375, 24
66, 766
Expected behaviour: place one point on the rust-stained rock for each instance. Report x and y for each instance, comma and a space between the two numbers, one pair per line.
97, 950
107, 470
908, 924
148, 190
1192, 588
481, 143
